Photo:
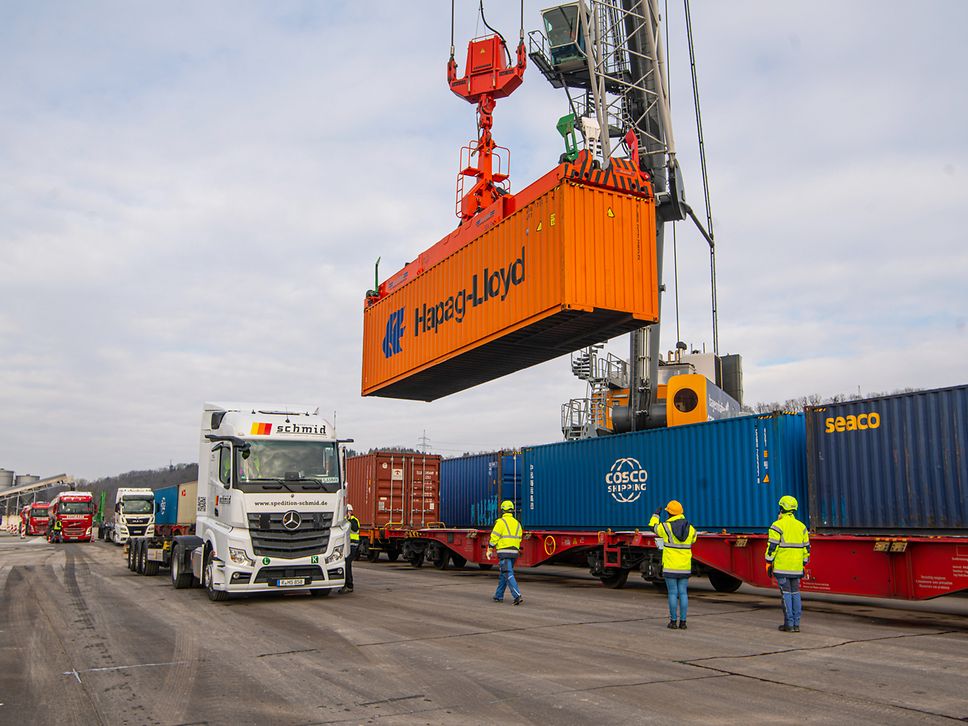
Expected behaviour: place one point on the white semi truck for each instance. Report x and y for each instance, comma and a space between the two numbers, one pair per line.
270, 510
134, 515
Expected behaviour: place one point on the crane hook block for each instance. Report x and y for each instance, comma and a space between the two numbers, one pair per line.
486, 71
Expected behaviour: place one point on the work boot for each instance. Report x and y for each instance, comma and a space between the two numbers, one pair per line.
682, 625
497, 599
518, 600
672, 625
786, 628
796, 628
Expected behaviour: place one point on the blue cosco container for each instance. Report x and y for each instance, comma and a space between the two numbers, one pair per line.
727, 474
892, 464
166, 505
469, 491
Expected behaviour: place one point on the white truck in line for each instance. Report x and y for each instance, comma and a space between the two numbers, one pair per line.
270, 510
134, 515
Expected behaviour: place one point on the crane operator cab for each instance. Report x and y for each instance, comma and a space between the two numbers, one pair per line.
566, 37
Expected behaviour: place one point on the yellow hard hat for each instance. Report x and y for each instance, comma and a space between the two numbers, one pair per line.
507, 506
674, 508
788, 503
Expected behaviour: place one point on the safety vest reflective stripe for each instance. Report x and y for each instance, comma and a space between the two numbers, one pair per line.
793, 544
667, 571
670, 541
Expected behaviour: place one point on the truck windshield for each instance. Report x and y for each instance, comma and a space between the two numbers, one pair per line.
76, 507
137, 506
293, 465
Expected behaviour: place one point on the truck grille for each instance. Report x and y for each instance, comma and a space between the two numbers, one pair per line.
271, 539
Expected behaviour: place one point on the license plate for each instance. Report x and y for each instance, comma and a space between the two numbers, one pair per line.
291, 582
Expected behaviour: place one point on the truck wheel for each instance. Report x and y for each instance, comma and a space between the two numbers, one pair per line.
179, 578
722, 582
416, 559
371, 554
614, 578
208, 575
151, 566
131, 556
458, 561
393, 555
140, 557
485, 565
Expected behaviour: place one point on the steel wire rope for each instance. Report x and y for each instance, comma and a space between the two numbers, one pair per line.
675, 247
705, 177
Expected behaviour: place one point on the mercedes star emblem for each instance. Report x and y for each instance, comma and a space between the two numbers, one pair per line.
291, 520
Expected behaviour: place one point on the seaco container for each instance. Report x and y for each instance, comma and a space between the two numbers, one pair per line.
574, 267
394, 489
727, 474
892, 464
469, 487
176, 504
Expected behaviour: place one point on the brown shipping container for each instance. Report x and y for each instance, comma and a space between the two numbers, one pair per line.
575, 267
394, 489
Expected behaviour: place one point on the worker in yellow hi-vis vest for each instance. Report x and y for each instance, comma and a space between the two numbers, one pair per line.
506, 537
675, 536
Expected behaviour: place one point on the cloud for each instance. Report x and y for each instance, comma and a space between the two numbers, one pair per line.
194, 196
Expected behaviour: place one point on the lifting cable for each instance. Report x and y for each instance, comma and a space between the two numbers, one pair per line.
675, 248
708, 233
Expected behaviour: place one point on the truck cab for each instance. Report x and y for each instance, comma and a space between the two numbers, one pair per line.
33, 519
74, 511
271, 506
134, 514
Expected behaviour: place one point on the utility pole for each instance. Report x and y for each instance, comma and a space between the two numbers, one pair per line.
424, 442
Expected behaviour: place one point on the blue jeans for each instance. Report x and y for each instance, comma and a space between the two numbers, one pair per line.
506, 564
790, 589
678, 595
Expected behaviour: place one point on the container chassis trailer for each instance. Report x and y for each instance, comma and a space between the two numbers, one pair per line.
899, 567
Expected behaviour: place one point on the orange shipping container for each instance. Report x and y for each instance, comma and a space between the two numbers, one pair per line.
574, 267
390, 488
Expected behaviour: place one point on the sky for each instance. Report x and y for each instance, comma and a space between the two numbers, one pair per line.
193, 196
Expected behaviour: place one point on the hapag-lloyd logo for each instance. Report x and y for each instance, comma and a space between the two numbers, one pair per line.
394, 332
484, 286
626, 480
487, 285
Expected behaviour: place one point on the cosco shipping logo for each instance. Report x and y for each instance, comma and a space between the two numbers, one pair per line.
626, 480
395, 329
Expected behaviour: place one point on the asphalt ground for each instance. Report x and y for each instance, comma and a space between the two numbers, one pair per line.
85, 641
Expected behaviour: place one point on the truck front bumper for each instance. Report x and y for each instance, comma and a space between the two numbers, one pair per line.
299, 574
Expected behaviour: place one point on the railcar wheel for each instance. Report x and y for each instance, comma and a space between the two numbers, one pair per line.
722, 582
614, 578
439, 557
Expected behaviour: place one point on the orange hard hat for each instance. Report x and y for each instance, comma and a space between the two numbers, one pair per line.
674, 508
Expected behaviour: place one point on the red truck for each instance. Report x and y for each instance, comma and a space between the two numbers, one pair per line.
74, 511
33, 519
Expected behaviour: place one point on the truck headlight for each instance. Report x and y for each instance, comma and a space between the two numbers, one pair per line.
337, 554
239, 557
